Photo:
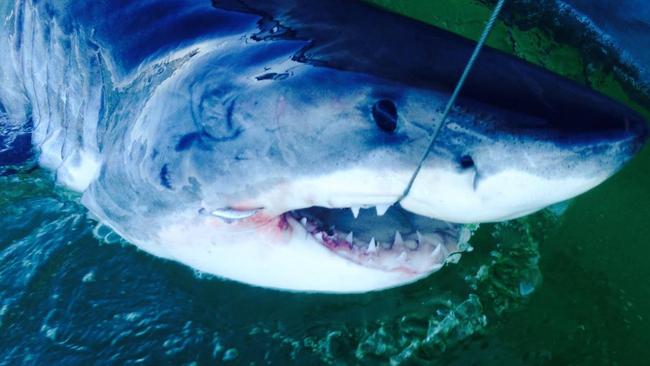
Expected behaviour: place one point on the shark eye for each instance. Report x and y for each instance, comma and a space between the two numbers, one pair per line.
466, 162
384, 112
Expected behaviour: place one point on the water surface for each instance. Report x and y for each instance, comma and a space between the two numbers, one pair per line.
564, 286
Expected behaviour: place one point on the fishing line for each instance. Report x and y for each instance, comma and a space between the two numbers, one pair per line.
454, 95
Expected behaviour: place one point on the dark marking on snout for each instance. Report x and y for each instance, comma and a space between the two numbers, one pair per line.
188, 140
273, 76
203, 140
271, 29
267, 76
164, 177
384, 112
229, 111
466, 162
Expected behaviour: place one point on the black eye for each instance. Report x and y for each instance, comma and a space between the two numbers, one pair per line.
466, 162
384, 112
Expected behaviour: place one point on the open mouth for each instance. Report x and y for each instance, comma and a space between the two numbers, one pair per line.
389, 239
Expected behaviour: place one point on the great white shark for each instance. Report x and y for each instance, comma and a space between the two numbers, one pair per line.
269, 141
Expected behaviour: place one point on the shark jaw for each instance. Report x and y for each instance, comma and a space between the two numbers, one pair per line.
302, 250
316, 236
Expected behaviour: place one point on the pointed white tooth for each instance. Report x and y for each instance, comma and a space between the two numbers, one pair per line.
402, 257
355, 211
381, 209
437, 254
398, 239
349, 237
372, 246
420, 240
319, 236
303, 221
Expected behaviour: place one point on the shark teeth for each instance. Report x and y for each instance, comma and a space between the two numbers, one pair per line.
372, 246
437, 254
381, 209
398, 239
402, 257
414, 250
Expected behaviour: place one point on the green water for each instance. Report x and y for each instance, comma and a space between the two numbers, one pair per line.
594, 304
547, 289
73, 294
69, 297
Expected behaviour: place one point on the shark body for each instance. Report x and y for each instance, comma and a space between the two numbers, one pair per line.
267, 142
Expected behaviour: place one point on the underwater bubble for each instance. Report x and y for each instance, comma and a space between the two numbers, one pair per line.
526, 288
230, 354
88, 277
101, 230
112, 238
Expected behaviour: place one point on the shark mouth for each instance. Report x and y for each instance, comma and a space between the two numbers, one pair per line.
387, 238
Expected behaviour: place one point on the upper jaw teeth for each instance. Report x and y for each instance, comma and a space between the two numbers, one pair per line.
408, 249
372, 246
380, 209
398, 239
355, 211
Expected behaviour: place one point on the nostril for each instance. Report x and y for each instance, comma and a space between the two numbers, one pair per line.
384, 112
466, 162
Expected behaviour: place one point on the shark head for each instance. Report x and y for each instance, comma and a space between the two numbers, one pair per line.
248, 165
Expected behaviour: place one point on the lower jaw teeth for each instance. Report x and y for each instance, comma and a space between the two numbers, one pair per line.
398, 239
412, 242
372, 246
414, 252
339, 241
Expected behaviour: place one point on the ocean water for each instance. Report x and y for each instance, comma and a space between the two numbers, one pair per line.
568, 285
73, 293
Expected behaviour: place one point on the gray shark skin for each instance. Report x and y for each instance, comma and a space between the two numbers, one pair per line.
236, 139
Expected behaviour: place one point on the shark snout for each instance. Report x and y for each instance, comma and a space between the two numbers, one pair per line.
616, 124
626, 138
